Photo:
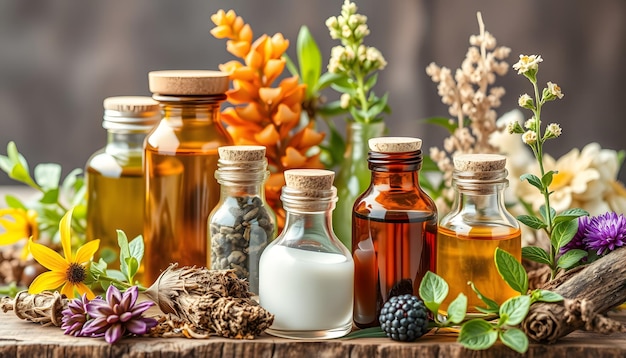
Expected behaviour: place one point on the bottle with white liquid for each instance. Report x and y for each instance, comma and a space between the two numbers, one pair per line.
306, 276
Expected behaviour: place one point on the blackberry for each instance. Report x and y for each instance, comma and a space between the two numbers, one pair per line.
404, 318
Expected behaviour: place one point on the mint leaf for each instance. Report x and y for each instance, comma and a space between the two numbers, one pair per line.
515, 339
309, 60
516, 309
477, 334
122, 241
546, 180
492, 306
511, 271
570, 214
533, 180
544, 214
532, 221
433, 290
571, 258
136, 248
457, 309
563, 233
537, 254
545, 296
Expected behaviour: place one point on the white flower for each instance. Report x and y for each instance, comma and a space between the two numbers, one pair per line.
529, 137
344, 100
554, 129
361, 31
525, 100
346, 32
331, 23
555, 90
527, 63
530, 123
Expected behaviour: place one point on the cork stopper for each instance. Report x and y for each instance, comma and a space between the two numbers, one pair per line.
395, 144
188, 82
242, 153
479, 162
132, 104
309, 179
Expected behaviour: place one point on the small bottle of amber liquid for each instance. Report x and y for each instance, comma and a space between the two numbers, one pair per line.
394, 227
477, 224
115, 182
180, 160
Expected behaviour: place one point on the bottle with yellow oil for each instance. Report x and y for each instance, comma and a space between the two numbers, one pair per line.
477, 224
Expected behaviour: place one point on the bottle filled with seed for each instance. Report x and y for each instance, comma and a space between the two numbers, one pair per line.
180, 159
115, 180
306, 274
477, 224
242, 224
394, 227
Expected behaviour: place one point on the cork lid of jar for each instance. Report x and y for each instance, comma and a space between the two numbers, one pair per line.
479, 162
188, 82
242, 153
309, 179
395, 144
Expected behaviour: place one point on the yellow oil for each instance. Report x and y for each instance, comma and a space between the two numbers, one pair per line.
470, 257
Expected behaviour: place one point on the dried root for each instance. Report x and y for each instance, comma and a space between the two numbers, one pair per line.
45, 308
215, 301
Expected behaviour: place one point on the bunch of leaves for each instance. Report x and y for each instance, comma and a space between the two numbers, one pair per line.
262, 113
131, 254
561, 227
56, 196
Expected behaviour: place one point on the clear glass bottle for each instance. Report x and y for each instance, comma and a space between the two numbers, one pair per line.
242, 224
114, 174
306, 274
180, 161
394, 227
477, 224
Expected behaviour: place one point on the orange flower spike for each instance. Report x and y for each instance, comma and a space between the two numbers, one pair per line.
293, 93
250, 112
242, 93
284, 115
307, 138
278, 46
256, 58
271, 96
273, 69
292, 158
268, 136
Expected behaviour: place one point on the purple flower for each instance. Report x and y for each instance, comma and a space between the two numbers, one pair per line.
119, 315
75, 317
577, 241
606, 232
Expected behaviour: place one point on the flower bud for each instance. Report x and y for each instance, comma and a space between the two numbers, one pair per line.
529, 137
525, 101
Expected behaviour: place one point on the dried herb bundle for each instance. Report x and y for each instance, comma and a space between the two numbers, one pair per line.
45, 308
216, 301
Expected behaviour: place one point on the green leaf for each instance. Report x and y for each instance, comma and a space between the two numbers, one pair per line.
309, 60
571, 258
563, 233
544, 215
533, 180
136, 248
515, 308
14, 202
372, 332
48, 175
21, 174
443, 122
511, 271
546, 180
515, 339
492, 306
433, 290
477, 334
328, 78
370, 83
546, 296
570, 214
50, 196
344, 85
536, 254
122, 241
132, 268
331, 109
457, 309
291, 67
98, 269
532, 221
378, 107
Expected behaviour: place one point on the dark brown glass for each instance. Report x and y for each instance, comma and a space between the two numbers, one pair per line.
401, 221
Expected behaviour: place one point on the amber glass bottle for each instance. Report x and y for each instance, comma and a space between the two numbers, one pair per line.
477, 224
114, 174
394, 227
180, 161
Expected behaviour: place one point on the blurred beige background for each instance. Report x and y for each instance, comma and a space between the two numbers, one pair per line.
60, 59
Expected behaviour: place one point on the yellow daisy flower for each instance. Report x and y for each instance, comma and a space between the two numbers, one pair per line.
71, 271
18, 224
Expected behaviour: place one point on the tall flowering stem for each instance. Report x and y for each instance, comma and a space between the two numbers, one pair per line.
264, 114
560, 228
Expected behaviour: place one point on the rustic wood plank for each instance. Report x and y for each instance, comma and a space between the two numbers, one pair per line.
24, 339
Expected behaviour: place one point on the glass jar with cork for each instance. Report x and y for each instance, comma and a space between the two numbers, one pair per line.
476, 225
394, 228
306, 274
180, 159
115, 180
242, 224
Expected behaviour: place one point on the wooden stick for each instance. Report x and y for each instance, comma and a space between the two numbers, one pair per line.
589, 294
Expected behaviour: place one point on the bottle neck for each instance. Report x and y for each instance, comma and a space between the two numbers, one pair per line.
125, 141
396, 171
190, 109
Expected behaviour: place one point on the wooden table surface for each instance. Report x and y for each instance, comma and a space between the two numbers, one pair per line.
25, 339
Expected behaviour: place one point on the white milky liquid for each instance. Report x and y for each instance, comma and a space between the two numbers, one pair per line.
306, 290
